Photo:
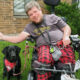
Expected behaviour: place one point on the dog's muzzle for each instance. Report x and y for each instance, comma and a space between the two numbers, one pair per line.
13, 57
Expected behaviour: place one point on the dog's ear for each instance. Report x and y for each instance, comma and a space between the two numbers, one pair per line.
17, 49
5, 50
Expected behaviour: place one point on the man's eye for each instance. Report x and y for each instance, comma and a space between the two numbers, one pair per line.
35, 11
30, 14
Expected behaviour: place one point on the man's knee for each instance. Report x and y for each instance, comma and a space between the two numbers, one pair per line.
68, 66
37, 66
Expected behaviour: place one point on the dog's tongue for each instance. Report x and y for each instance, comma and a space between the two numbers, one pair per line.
9, 65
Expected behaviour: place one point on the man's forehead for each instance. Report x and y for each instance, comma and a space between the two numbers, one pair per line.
33, 8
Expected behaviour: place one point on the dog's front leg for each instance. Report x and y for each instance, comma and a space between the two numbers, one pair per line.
4, 69
18, 77
8, 76
4, 73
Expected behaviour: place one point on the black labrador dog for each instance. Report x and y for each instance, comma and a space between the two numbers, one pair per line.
12, 62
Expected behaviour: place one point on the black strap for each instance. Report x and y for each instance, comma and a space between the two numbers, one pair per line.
49, 37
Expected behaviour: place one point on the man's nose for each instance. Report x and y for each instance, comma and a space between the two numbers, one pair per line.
34, 14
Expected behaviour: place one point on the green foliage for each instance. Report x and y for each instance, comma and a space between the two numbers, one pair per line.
71, 13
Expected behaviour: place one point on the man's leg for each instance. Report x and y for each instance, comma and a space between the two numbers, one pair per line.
44, 57
68, 55
66, 61
68, 58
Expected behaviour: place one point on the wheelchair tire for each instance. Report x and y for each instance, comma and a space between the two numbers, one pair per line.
31, 76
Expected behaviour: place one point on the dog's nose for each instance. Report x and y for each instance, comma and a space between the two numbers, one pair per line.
13, 55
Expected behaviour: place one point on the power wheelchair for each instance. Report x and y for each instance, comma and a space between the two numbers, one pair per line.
64, 69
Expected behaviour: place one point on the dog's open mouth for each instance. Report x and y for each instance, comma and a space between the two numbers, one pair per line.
13, 59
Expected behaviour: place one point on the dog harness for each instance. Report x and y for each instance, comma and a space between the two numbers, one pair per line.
9, 65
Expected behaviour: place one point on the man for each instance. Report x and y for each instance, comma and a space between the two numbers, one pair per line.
48, 26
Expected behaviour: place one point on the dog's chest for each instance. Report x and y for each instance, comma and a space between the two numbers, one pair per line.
9, 66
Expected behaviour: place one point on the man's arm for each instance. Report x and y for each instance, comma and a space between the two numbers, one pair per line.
14, 39
67, 32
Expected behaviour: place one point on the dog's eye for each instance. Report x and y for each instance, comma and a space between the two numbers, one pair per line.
9, 50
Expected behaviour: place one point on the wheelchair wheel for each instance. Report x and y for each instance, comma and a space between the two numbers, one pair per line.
31, 75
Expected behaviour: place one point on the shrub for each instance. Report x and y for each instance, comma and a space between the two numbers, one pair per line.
71, 13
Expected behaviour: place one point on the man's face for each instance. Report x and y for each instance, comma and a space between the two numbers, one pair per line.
35, 15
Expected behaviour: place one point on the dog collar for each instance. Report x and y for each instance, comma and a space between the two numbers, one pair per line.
9, 65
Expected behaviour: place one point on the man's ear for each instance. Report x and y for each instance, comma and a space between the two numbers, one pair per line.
17, 49
41, 9
5, 50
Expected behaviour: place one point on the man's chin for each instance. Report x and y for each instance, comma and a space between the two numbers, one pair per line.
37, 22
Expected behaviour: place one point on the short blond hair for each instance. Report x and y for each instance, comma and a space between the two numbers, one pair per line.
30, 5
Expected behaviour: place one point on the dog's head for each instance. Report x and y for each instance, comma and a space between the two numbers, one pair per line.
11, 52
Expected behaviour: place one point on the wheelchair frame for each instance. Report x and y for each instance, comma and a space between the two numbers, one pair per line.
76, 46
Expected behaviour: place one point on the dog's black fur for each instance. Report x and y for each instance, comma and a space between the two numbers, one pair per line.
12, 54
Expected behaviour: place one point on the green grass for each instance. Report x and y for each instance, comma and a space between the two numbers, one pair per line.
22, 46
28, 65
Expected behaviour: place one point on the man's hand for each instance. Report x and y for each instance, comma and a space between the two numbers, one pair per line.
66, 41
1, 36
